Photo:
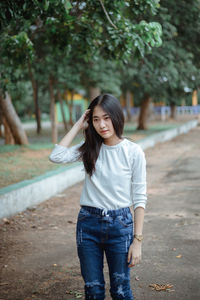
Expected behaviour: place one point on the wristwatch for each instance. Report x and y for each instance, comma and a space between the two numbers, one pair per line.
138, 237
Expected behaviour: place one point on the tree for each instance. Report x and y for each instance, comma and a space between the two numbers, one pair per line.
42, 32
12, 123
167, 71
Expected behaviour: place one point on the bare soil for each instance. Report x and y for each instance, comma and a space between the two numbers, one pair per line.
38, 257
23, 164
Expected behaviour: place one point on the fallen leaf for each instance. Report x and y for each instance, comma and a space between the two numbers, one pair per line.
69, 292
77, 294
179, 256
137, 278
60, 195
32, 208
6, 221
160, 287
71, 222
4, 283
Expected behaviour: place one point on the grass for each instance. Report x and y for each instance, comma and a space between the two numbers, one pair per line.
130, 129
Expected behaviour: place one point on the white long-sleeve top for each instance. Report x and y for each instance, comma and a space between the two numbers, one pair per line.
119, 179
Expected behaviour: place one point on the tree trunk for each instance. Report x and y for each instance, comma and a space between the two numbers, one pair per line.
9, 139
128, 105
62, 110
54, 130
142, 120
93, 92
172, 111
1, 122
13, 120
71, 102
35, 98
194, 98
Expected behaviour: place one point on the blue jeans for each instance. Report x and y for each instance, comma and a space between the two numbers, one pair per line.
100, 231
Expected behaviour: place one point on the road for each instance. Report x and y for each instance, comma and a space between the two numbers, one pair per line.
38, 257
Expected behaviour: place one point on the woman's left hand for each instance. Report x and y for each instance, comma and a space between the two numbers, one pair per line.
134, 253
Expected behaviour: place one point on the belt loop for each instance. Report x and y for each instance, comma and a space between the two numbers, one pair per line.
104, 212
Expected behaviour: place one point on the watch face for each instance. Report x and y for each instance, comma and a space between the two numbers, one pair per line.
139, 237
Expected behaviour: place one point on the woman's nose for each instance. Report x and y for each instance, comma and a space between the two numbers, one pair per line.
102, 124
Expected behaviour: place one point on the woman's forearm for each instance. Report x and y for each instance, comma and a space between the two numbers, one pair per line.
138, 220
80, 124
134, 253
68, 138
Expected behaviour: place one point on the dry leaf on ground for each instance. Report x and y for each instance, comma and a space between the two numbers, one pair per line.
137, 278
160, 287
77, 294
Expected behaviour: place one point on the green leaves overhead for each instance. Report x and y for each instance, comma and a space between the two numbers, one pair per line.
91, 28
17, 48
146, 6
172, 69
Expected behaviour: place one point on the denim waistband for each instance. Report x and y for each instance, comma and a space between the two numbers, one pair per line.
104, 212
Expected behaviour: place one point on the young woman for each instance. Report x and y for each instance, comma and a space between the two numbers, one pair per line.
115, 180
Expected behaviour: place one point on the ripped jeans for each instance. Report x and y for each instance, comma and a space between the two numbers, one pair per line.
100, 231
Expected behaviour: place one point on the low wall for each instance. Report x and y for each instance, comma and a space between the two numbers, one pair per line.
166, 135
18, 197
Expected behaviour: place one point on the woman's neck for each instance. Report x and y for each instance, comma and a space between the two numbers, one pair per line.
112, 141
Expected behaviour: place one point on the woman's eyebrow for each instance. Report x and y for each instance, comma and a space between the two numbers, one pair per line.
105, 115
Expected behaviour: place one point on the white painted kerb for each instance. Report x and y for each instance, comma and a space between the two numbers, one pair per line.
166, 135
22, 198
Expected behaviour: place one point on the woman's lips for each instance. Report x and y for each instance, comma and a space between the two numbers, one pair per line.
104, 131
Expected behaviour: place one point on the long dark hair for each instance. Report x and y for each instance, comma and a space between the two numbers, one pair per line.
89, 151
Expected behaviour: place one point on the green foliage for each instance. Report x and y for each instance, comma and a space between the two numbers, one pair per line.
16, 49
48, 27
22, 94
101, 73
62, 38
171, 71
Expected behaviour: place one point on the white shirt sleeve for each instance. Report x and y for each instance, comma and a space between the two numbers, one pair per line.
61, 154
139, 195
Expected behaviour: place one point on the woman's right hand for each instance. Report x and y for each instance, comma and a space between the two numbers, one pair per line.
82, 122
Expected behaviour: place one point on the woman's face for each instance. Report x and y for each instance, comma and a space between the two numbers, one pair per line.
102, 123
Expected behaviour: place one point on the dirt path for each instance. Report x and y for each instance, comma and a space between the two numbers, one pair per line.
38, 254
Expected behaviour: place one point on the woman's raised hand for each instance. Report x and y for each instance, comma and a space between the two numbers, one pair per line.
82, 122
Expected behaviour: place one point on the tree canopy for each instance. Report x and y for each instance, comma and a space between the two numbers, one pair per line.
115, 46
